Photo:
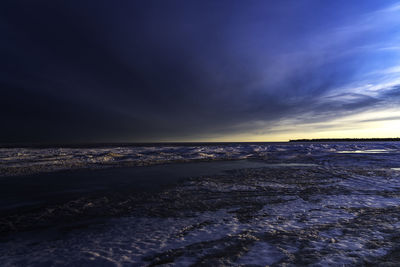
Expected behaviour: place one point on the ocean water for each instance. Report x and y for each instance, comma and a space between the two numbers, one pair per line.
316, 204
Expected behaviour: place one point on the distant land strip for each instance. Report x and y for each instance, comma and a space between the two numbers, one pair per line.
347, 140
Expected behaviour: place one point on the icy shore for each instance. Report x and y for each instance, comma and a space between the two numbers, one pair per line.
20, 161
341, 209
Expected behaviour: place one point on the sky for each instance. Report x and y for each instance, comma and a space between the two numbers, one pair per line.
170, 71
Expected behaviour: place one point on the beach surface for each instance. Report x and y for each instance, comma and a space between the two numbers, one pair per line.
319, 204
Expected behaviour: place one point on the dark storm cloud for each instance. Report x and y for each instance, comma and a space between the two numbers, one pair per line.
92, 71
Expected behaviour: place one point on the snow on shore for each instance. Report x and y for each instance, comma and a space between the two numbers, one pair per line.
17, 161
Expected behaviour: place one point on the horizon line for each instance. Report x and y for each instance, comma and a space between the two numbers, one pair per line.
103, 144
